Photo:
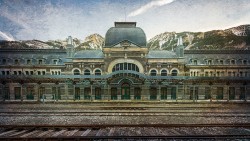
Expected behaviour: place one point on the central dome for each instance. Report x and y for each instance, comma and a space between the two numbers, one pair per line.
125, 31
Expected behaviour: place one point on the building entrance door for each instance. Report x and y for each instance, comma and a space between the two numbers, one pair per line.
125, 91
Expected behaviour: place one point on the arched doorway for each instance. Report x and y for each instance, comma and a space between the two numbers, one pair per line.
125, 91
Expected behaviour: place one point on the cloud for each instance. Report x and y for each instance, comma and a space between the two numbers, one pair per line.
148, 6
6, 37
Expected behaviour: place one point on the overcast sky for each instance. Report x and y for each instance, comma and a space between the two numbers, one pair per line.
57, 19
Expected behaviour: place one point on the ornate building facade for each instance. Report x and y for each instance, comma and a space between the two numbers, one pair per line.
125, 69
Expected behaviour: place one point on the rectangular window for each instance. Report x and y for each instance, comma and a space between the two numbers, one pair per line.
15, 72
3, 72
43, 72
8, 72
219, 93
244, 62
30, 93
222, 73
31, 73
17, 91
218, 73
19, 72
242, 93
207, 93
125, 66
231, 93
206, 73
241, 74
27, 72
234, 74
38, 73
221, 62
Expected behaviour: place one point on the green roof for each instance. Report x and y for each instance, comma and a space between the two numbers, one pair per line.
161, 54
116, 35
89, 54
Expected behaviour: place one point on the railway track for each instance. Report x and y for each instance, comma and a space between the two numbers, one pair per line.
179, 114
133, 132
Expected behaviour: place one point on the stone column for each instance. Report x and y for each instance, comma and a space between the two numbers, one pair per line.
12, 95
66, 91
226, 92
237, 93
145, 92
169, 92
36, 95
132, 93
108, 92
158, 93
21, 92
119, 93
74, 91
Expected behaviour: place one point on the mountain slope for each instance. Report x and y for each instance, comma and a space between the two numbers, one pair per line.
233, 38
93, 41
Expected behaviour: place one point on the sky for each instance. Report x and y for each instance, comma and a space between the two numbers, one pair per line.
57, 19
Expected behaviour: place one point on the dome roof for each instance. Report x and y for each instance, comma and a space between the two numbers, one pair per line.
125, 31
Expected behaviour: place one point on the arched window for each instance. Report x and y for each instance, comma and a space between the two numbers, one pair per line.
174, 73
76, 72
87, 72
125, 66
164, 73
153, 72
97, 72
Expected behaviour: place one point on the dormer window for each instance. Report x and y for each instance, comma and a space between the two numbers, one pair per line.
195, 62
55, 61
221, 62
233, 62
16, 61
209, 62
4, 61
28, 62
40, 61
244, 62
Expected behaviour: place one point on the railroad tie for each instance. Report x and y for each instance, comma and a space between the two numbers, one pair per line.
85, 133
58, 133
44, 133
8, 132
72, 132
18, 133
246, 129
28, 134
111, 132
99, 133
175, 132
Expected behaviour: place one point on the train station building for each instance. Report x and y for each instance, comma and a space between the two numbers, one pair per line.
125, 69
